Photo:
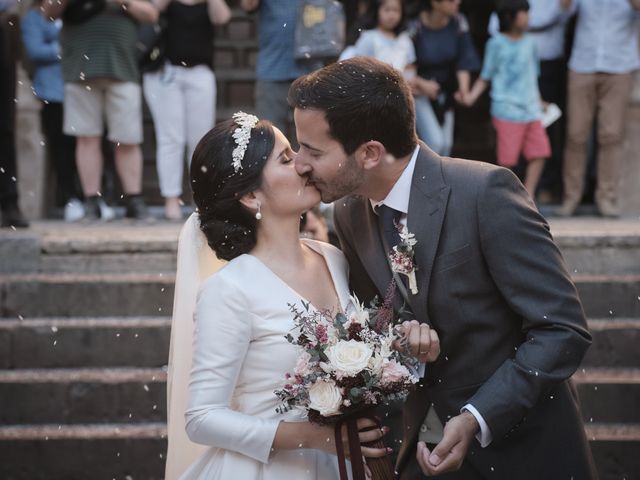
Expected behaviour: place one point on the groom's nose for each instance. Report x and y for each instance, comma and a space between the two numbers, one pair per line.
302, 167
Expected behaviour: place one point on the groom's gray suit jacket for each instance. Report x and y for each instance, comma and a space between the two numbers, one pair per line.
494, 286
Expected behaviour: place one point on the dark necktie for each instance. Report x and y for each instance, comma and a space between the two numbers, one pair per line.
389, 219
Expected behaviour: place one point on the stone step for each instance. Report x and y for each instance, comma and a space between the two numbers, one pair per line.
73, 295
110, 451
138, 451
84, 342
592, 245
589, 246
615, 343
38, 295
615, 450
609, 296
76, 396
93, 395
601, 388
144, 342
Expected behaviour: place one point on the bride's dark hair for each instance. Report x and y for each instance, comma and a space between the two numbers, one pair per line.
230, 228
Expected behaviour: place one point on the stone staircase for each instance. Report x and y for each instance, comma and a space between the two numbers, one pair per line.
84, 338
84, 335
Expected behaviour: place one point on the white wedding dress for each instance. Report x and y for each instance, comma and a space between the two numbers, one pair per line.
240, 358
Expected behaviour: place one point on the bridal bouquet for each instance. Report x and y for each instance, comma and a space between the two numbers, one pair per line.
347, 364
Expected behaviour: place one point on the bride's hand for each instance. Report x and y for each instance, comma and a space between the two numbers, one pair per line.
323, 438
419, 340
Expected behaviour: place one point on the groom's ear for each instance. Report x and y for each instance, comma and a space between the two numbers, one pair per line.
249, 201
370, 154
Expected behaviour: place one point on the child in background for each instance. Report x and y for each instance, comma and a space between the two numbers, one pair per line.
511, 65
386, 41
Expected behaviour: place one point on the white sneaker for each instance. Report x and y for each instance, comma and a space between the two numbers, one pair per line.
73, 210
107, 213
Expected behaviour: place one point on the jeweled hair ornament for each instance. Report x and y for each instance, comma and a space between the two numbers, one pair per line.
242, 135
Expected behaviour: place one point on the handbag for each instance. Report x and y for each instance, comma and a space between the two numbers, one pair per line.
320, 30
151, 45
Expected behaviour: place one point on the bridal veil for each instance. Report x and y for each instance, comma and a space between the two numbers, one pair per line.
196, 261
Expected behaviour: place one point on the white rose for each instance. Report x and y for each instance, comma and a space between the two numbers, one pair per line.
349, 358
325, 397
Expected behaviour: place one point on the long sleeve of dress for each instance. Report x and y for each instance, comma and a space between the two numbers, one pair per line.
223, 333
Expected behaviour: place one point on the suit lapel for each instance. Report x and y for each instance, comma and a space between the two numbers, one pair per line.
427, 207
372, 252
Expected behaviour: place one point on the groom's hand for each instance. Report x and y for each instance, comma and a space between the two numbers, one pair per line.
419, 340
449, 454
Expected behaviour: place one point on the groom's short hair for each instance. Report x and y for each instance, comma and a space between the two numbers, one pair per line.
363, 99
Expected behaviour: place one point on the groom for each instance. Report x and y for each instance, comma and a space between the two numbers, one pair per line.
490, 280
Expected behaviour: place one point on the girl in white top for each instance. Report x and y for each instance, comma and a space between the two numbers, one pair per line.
386, 42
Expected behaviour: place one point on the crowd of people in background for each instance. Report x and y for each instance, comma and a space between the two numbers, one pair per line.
84, 63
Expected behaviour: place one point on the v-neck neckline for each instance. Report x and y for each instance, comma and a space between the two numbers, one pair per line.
319, 250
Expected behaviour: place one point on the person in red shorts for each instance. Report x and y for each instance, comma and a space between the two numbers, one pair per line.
511, 65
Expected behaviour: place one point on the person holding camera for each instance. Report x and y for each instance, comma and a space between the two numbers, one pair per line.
102, 81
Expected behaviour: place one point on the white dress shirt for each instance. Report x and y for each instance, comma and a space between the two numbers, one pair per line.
398, 199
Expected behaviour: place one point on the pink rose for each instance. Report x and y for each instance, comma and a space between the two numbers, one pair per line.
393, 372
302, 365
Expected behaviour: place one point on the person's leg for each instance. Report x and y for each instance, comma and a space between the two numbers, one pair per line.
199, 89
535, 167
613, 98
166, 103
536, 149
580, 111
428, 128
553, 86
83, 110
123, 107
89, 162
11, 214
62, 150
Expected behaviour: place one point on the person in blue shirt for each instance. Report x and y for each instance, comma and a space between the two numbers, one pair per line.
276, 67
511, 65
445, 56
41, 45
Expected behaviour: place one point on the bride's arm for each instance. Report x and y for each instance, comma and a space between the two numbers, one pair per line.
222, 334
221, 339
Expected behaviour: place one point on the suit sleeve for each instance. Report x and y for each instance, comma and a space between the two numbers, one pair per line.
222, 335
529, 271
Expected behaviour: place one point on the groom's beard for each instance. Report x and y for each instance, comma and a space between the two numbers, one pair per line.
347, 180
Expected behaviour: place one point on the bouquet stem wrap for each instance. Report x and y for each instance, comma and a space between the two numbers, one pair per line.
381, 468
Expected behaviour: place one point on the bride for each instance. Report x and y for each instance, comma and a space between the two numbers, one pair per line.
249, 201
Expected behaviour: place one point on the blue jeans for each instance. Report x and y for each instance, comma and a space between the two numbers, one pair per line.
438, 137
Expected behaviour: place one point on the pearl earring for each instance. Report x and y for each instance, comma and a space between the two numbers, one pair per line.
258, 214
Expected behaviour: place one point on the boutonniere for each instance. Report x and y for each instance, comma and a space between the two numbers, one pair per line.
402, 257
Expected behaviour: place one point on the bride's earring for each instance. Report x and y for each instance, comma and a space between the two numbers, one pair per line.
258, 213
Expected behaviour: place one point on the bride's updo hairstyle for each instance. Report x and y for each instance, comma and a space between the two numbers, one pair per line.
230, 228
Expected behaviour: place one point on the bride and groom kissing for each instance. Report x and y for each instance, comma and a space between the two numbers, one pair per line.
494, 400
